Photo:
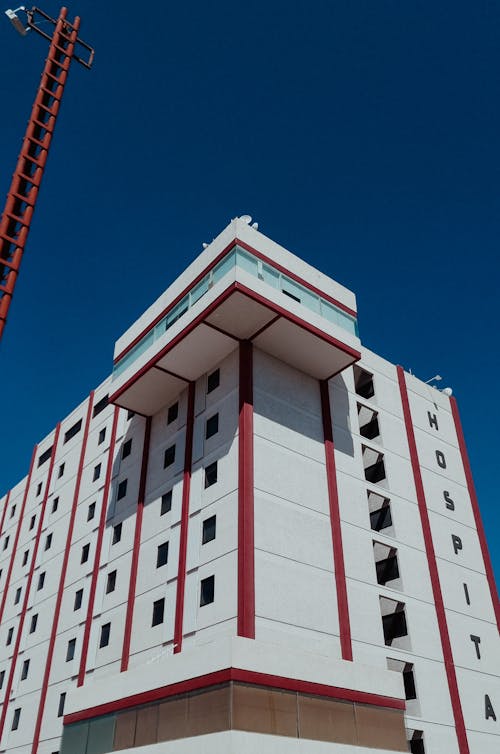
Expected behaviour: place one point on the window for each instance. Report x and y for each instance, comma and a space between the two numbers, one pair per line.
415, 740
45, 456
12, 511
72, 431
41, 581
2, 678
117, 533
386, 565
169, 456
130, 415
158, 611
15, 719
102, 436
18, 595
368, 422
25, 557
373, 463
208, 530
380, 513
97, 472
406, 670
60, 708
61, 471
166, 503
363, 382
78, 600
173, 413
48, 541
6, 542
70, 651
162, 555
122, 489
126, 449
85, 553
34, 621
91, 512
105, 631
207, 589
55, 504
394, 623
210, 474
38, 488
10, 634
213, 380
111, 582
212, 426
25, 669
32, 522
100, 406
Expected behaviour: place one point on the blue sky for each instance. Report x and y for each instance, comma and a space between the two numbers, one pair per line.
361, 135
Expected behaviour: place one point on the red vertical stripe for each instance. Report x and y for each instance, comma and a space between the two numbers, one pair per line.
246, 551
475, 509
98, 547
18, 531
64, 566
137, 543
4, 511
338, 549
186, 488
28, 584
449, 664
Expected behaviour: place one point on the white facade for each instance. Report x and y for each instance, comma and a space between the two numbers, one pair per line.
236, 397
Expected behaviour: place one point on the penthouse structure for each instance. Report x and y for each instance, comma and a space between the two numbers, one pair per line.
255, 535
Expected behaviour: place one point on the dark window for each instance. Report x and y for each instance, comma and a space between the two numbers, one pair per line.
15, 719
166, 503
100, 406
25, 669
122, 489
368, 422
60, 708
102, 436
208, 532
72, 431
39, 488
387, 569
32, 522
45, 456
25, 557
12, 511
373, 463
61, 470
210, 474
2, 677
213, 380
70, 651
212, 426
117, 533
85, 553
173, 413
381, 518
409, 682
130, 414
97, 472
18, 595
158, 611
394, 623
91, 512
10, 634
34, 621
48, 542
111, 582
416, 743
41, 581
363, 382
6, 542
126, 449
169, 456
207, 590
105, 631
78, 599
55, 504
162, 555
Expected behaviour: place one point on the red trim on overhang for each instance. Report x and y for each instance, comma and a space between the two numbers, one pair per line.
335, 525
449, 664
475, 509
246, 552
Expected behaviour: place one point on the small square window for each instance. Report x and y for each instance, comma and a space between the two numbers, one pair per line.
100, 406
48, 542
70, 651
158, 612
18, 595
41, 581
127, 449
166, 503
122, 489
32, 522
34, 621
25, 557
60, 708
212, 426
61, 470
6, 542
10, 634
85, 553
207, 590
25, 669
91, 512
2, 678
130, 415
12, 511
208, 530
102, 436
210, 474
78, 600
15, 719
105, 632
55, 504
97, 472
213, 380
162, 555
39, 488
111, 582
169, 456
173, 413
117, 533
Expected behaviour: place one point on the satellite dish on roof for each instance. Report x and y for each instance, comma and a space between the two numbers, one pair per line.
246, 219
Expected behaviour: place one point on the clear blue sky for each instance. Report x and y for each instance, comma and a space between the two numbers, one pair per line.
361, 135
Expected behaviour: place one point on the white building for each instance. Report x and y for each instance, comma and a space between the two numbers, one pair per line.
256, 535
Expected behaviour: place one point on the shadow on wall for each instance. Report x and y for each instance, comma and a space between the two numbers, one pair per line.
341, 418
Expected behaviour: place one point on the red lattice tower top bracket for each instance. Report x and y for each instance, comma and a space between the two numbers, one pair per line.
21, 198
